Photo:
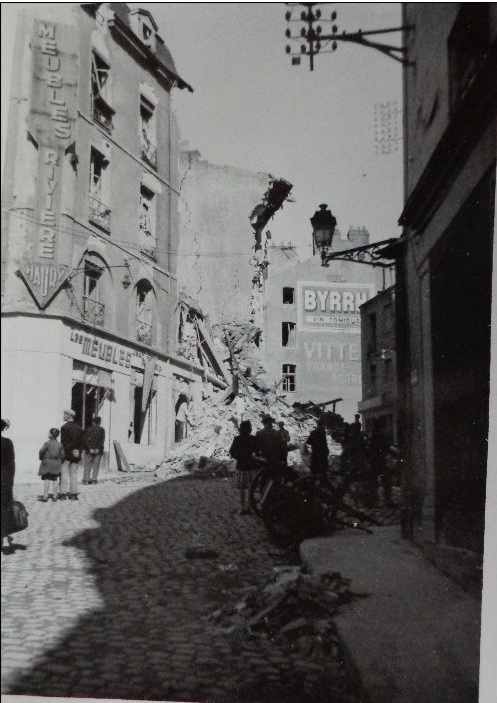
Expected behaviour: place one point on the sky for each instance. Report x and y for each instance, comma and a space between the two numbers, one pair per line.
253, 110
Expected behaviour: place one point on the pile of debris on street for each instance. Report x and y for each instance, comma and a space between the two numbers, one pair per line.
205, 451
295, 611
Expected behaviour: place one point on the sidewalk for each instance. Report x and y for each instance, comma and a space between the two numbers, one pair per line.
416, 637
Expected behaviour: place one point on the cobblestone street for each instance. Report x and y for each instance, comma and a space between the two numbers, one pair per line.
103, 601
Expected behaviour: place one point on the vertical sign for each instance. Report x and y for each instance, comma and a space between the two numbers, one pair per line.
52, 125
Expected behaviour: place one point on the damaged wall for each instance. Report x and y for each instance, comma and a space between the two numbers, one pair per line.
217, 241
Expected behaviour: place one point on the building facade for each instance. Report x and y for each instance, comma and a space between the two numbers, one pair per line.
312, 340
379, 364
90, 225
444, 270
223, 211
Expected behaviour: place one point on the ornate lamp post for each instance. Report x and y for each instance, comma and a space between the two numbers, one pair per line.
323, 228
323, 224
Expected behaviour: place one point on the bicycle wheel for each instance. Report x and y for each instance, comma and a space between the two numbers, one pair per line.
259, 489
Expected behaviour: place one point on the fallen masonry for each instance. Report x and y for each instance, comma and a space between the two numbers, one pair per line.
296, 611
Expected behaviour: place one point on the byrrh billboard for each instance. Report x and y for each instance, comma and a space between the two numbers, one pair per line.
331, 307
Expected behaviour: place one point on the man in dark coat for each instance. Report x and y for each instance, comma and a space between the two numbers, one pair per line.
93, 442
319, 449
71, 437
270, 445
7, 485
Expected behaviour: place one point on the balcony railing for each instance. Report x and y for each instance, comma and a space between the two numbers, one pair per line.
148, 243
102, 113
148, 151
143, 332
99, 213
93, 311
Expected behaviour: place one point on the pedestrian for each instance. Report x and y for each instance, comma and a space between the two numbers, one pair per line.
93, 443
270, 444
71, 436
356, 425
182, 418
319, 449
243, 449
52, 457
285, 436
8, 467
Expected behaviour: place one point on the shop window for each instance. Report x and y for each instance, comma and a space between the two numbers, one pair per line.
289, 378
91, 391
288, 296
288, 333
148, 140
144, 312
93, 309
148, 237
102, 112
143, 426
467, 47
99, 190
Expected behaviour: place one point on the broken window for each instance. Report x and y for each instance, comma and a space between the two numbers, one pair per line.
144, 312
288, 296
148, 147
98, 187
288, 334
148, 237
100, 92
93, 309
289, 378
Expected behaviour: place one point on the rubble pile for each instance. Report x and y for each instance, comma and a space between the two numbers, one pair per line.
296, 612
205, 451
293, 607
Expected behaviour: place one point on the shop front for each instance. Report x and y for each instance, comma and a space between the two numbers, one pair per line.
49, 365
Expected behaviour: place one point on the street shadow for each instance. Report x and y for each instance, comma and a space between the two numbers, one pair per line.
151, 639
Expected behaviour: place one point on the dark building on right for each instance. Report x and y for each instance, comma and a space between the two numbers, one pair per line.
444, 272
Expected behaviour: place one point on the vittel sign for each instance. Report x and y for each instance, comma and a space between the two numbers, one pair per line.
332, 306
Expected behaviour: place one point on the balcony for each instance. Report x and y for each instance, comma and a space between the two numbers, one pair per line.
93, 311
99, 213
148, 151
143, 332
102, 113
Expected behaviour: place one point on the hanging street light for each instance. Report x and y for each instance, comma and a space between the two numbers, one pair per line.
323, 228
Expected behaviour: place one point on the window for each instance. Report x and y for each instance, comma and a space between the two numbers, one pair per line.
289, 378
98, 187
373, 379
467, 46
148, 147
288, 296
93, 309
372, 343
288, 334
100, 92
148, 237
144, 312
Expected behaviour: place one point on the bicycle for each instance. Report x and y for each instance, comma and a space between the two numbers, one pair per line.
269, 477
311, 506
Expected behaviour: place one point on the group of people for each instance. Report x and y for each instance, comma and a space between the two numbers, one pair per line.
60, 459
269, 444
364, 459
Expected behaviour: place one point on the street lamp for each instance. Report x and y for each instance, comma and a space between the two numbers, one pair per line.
323, 228
381, 254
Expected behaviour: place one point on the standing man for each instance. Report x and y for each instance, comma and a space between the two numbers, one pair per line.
93, 442
319, 449
270, 444
285, 436
71, 437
